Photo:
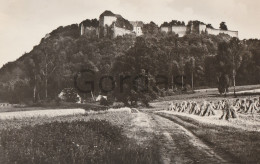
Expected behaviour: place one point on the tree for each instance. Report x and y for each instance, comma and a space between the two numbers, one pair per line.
229, 59
210, 71
32, 73
136, 68
181, 54
192, 63
236, 49
209, 26
223, 84
70, 95
48, 65
19, 92
224, 66
223, 26
150, 28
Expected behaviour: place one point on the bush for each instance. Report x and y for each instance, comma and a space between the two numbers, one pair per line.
70, 95
104, 101
57, 100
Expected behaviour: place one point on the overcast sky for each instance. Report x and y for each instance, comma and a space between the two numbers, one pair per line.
24, 22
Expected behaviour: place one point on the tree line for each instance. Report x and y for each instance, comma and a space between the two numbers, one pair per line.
198, 60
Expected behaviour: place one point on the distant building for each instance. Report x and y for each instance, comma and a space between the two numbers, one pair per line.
137, 27
88, 30
199, 29
202, 28
107, 18
112, 25
117, 31
180, 30
166, 29
5, 105
218, 31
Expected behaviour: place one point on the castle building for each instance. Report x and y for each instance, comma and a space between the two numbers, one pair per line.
137, 27
88, 30
202, 28
117, 24
113, 25
218, 31
180, 30
82, 29
165, 29
107, 18
199, 29
117, 31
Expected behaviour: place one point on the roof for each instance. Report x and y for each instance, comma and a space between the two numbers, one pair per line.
107, 13
137, 23
118, 16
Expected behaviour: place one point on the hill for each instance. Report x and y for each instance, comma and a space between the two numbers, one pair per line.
52, 65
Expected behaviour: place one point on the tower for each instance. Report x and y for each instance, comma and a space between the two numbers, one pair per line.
192, 28
82, 30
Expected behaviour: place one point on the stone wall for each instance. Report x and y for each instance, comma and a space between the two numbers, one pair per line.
108, 20
180, 30
165, 29
120, 31
90, 31
218, 31
202, 28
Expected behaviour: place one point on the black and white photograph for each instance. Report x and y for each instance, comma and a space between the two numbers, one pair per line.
129, 82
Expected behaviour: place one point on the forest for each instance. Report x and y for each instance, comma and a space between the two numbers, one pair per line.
198, 61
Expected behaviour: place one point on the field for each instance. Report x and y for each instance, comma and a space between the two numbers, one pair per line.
142, 135
97, 138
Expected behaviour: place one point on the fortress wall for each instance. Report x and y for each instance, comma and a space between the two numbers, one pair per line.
202, 28
180, 30
165, 29
120, 31
90, 31
230, 33
213, 31
218, 31
108, 20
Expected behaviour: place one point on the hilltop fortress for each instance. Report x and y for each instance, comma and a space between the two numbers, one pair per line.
196, 27
113, 25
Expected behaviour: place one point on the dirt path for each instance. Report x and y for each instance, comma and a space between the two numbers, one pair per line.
177, 144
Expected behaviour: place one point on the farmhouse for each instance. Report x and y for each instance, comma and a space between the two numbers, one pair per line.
5, 105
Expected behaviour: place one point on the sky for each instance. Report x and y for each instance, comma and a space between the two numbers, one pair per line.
24, 22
